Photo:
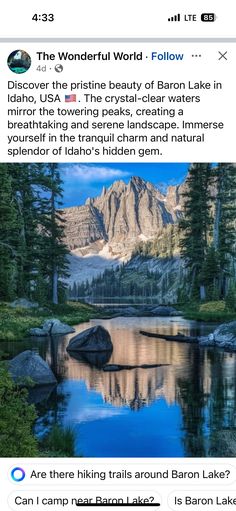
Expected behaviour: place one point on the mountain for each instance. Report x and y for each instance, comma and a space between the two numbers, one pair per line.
111, 224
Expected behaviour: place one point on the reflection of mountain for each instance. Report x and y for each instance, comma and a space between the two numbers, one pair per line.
133, 388
201, 382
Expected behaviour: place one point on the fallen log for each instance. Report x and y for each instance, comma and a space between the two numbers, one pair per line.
178, 338
119, 367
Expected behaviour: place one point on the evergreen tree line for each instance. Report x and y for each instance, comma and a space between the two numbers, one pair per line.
123, 282
208, 230
32, 251
166, 243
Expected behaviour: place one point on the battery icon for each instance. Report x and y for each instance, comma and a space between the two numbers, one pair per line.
208, 16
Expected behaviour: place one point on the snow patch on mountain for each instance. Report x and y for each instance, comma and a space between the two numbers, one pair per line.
86, 266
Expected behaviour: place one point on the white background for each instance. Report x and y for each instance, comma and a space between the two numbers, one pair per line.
104, 18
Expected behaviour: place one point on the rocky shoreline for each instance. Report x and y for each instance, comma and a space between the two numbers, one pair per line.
224, 336
130, 311
94, 345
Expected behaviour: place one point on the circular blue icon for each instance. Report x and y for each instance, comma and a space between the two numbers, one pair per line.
18, 474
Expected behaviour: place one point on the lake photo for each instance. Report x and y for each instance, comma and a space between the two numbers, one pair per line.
118, 310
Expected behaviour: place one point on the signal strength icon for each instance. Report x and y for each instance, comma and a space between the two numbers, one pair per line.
174, 18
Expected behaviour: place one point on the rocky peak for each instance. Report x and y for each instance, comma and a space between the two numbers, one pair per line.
117, 187
137, 183
174, 196
121, 215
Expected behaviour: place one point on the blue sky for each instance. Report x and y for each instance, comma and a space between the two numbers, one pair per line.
83, 180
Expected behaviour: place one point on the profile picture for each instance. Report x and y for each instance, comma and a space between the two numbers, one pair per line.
19, 61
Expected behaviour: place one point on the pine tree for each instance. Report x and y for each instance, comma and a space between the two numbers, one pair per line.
74, 290
8, 236
32, 249
196, 223
27, 196
210, 272
53, 254
231, 297
224, 233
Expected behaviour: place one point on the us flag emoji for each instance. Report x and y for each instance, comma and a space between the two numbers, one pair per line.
69, 98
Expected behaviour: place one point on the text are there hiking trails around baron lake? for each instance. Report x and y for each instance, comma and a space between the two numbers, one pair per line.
127, 474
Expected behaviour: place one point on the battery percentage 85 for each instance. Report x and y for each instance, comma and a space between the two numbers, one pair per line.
208, 16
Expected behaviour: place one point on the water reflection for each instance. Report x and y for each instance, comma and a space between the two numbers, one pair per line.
94, 359
178, 410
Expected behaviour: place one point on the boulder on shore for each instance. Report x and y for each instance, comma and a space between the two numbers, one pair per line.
96, 338
225, 336
29, 364
165, 310
24, 304
52, 327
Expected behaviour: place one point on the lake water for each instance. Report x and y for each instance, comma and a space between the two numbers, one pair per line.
173, 411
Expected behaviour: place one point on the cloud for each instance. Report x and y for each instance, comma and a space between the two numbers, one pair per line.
94, 413
91, 173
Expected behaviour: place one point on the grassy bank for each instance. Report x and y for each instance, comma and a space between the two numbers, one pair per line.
15, 323
58, 443
210, 311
